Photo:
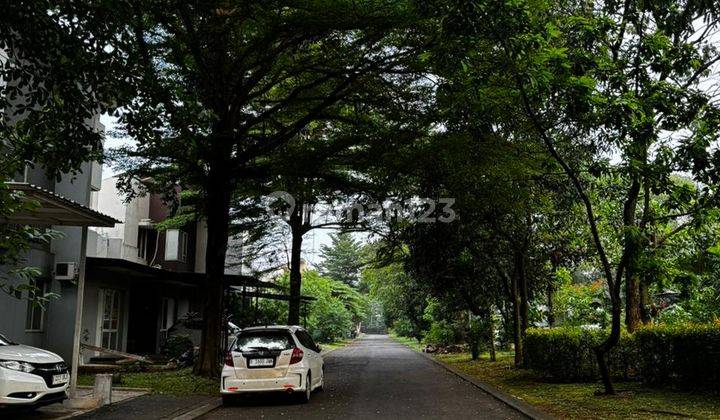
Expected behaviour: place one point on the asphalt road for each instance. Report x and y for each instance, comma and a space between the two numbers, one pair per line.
376, 377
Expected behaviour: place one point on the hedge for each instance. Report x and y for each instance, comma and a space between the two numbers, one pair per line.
664, 355
566, 354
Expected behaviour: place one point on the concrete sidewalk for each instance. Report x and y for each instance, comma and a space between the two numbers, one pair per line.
61, 412
150, 407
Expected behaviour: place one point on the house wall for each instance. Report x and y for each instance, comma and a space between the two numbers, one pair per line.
120, 241
59, 317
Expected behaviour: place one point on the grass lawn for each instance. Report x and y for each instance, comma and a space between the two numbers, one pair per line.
175, 382
410, 342
578, 400
335, 345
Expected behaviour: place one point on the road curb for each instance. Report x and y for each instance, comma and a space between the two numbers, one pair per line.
518, 405
200, 411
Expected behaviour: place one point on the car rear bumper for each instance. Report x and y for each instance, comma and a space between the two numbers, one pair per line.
291, 382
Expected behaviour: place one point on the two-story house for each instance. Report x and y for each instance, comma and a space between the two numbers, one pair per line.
141, 280
64, 206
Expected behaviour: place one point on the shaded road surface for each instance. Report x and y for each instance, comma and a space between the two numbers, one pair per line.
376, 377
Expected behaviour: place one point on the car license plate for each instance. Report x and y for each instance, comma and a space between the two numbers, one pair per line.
261, 362
60, 379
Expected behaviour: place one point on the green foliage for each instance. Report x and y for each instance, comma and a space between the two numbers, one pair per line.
177, 382
682, 355
57, 75
343, 259
176, 345
329, 318
566, 354
581, 304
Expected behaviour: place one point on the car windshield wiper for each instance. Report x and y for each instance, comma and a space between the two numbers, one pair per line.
259, 348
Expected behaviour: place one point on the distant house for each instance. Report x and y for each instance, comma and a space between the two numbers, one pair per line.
141, 280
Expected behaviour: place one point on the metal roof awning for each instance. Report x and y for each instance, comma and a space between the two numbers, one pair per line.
53, 209
133, 271
273, 296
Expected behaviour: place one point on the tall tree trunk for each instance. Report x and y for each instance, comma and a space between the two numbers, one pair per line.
551, 292
632, 301
523, 292
491, 335
550, 305
517, 321
296, 228
645, 314
630, 257
218, 221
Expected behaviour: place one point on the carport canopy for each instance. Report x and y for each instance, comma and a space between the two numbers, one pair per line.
47, 208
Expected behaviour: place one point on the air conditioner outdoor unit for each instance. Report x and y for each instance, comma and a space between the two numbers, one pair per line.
65, 270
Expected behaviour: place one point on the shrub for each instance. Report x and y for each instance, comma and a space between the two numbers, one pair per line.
566, 354
441, 333
682, 355
686, 355
404, 327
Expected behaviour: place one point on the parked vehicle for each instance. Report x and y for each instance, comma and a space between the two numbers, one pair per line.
272, 358
30, 377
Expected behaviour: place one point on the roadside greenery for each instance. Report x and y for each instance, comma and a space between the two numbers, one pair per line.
175, 382
579, 400
331, 317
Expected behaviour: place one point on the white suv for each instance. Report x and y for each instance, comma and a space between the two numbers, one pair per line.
30, 376
272, 358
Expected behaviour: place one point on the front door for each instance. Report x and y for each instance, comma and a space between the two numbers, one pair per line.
110, 316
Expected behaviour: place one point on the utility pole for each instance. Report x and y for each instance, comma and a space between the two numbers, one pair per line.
75, 362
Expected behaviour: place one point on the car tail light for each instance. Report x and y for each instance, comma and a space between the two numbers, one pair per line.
229, 359
297, 356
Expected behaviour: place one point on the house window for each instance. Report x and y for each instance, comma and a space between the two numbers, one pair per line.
176, 245
110, 319
35, 317
167, 317
142, 243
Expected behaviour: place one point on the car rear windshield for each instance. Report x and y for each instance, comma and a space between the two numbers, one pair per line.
260, 340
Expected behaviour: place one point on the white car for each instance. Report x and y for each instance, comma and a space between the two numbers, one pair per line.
272, 358
30, 377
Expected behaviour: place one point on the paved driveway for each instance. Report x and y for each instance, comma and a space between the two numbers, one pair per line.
375, 377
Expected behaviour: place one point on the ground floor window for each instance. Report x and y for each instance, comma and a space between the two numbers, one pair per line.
110, 301
35, 316
168, 316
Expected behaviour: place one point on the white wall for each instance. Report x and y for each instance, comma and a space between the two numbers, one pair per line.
120, 241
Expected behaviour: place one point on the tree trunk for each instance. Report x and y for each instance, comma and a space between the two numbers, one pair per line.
550, 305
218, 199
551, 291
602, 350
491, 337
517, 321
296, 221
632, 301
523, 292
630, 257
645, 314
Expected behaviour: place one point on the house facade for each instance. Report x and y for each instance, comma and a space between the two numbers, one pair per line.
64, 206
140, 280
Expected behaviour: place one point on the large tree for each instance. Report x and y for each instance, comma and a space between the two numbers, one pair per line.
342, 259
592, 82
220, 84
